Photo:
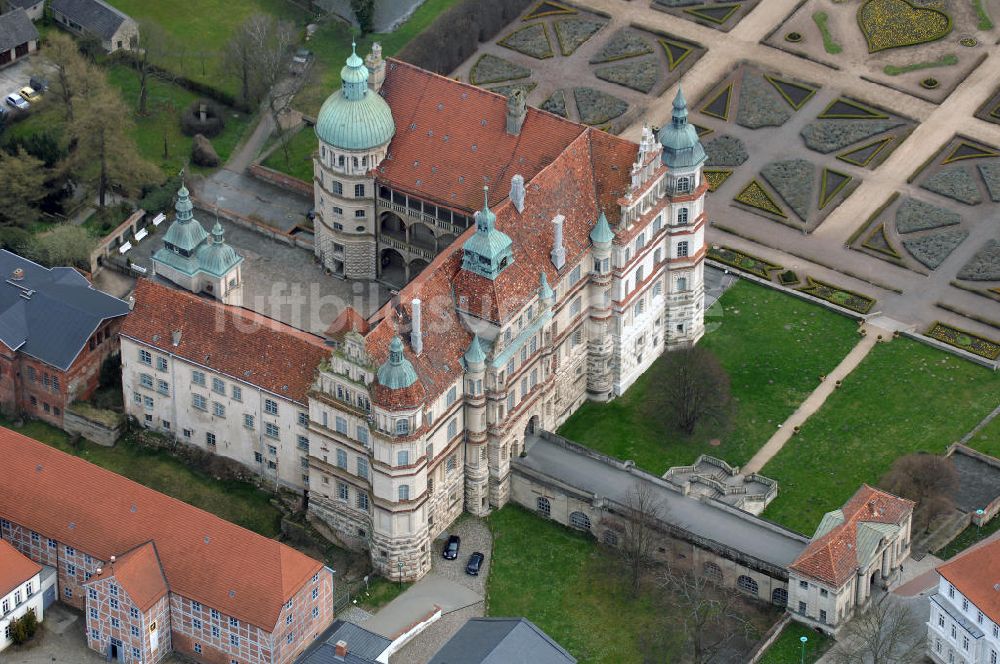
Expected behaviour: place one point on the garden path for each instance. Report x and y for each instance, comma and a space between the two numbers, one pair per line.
813, 402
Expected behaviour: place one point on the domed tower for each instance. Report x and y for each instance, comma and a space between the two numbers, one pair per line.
354, 128
220, 266
685, 187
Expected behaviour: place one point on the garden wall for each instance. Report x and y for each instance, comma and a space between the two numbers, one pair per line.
286, 182
98, 426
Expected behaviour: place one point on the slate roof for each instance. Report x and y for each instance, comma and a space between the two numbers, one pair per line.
501, 641
363, 647
230, 340
203, 557
26, 4
139, 573
97, 17
50, 314
976, 574
848, 537
15, 568
16, 28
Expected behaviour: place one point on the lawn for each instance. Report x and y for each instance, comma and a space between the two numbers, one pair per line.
787, 649
904, 397
967, 538
774, 347
987, 439
238, 502
300, 150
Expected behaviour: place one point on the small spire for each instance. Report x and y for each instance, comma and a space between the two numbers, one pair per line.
486, 217
602, 232
680, 115
544, 290
475, 353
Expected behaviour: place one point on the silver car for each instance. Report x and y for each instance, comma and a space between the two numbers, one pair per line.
18, 102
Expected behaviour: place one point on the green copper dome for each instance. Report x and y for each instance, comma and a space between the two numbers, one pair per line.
602, 233
217, 257
681, 146
185, 233
355, 117
397, 372
488, 251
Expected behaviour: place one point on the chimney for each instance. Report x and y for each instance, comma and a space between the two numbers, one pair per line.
112, 559
517, 110
175, 337
340, 649
376, 68
416, 334
99, 570
517, 192
558, 251
18, 274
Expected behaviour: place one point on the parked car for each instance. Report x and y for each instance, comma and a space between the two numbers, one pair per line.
451, 548
17, 101
38, 84
300, 61
30, 93
475, 562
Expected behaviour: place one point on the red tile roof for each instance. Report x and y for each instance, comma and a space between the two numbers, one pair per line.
833, 557
976, 574
230, 340
15, 568
452, 135
203, 557
140, 573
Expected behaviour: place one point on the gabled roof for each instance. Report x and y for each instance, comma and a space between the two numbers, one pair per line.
976, 574
15, 568
139, 573
15, 29
27, 4
50, 314
501, 641
203, 557
97, 17
230, 340
849, 537
363, 647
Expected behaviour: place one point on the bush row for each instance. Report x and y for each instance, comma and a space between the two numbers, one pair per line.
131, 59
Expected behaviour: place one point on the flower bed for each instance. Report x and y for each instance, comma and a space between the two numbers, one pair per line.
716, 176
754, 195
932, 250
760, 105
741, 261
946, 60
639, 75
596, 107
857, 302
556, 103
532, 40
626, 43
896, 23
827, 136
548, 8
985, 265
793, 179
505, 90
725, 151
955, 182
878, 242
967, 341
991, 176
571, 33
913, 215
491, 69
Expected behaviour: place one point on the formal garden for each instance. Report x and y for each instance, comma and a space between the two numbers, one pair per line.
578, 65
718, 14
921, 48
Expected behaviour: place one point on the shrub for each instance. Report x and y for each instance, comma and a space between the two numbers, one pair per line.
23, 628
364, 11
211, 126
159, 198
41, 145
19, 241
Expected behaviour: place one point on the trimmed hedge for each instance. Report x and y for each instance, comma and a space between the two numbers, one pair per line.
214, 123
197, 87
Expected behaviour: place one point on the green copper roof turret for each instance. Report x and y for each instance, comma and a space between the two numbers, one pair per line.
545, 291
216, 257
397, 372
681, 146
355, 117
475, 353
602, 233
488, 251
185, 233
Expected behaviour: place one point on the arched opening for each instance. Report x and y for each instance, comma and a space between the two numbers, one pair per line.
747, 585
391, 225
417, 266
610, 538
779, 597
423, 237
579, 520
683, 185
544, 507
712, 572
532, 427
392, 267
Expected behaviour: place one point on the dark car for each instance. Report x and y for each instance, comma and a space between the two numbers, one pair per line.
451, 548
475, 562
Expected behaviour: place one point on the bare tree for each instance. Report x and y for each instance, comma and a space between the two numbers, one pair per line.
927, 479
257, 55
888, 632
710, 616
151, 46
691, 387
640, 513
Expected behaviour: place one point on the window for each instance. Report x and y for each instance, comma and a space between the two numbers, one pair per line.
340, 424
712, 571
363, 435
315, 614
114, 604
272, 450
146, 380
210, 439
574, 276
93, 613
682, 216
359, 191
70, 551
965, 643
218, 386
303, 419
290, 637
359, 214
161, 364
342, 491
779, 597
941, 620
579, 520
303, 443
134, 612
198, 377
187, 433
979, 617
289, 618
270, 406
451, 463
342, 458
237, 393
682, 249
92, 594
362, 501
35, 538
683, 185
199, 402
403, 458
70, 569
951, 591
94, 635
638, 275
404, 492
575, 307
144, 356
823, 592
195, 606
803, 584
822, 615
218, 409
271, 430
135, 631
452, 428
338, 188
68, 592
52, 543
136, 653
248, 421
402, 427
258, 457
965, 604
163, 387
116, 623
363, 467
234, 640
197, 648
215, 631
747, 585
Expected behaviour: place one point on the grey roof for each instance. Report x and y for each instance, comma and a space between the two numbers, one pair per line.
363, 647
96, 17
50, 313
27, 4
15, 29
501, 641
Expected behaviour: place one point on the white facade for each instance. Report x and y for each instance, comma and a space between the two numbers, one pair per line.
27, 596
218, 413
958, 632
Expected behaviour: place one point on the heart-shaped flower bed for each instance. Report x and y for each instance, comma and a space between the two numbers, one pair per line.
896, 23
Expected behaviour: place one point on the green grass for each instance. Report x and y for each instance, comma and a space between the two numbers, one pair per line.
904, 397
967, 538
946, 60
787, 649
238, 502
560, 580
830, 45
987, 439
380, 592
300, 150
332, 42
774, 347
985, 22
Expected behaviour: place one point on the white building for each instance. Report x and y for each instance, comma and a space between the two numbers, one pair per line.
964, 623
222, 379
855, 551
20, 589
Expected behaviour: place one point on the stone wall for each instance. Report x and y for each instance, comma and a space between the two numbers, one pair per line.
286, 182
103, 427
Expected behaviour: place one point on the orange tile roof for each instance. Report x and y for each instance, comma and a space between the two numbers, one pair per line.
833, 557
452, 135
15, 568
203, 557
140, 573
240, 343
976, 574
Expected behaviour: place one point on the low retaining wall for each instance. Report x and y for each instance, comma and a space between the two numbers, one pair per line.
281, 180
76, 420
769, 638
253, 225
992, 509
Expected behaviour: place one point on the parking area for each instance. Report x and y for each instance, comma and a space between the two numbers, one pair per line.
16, 76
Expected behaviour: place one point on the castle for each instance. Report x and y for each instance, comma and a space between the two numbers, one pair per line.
540, 263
